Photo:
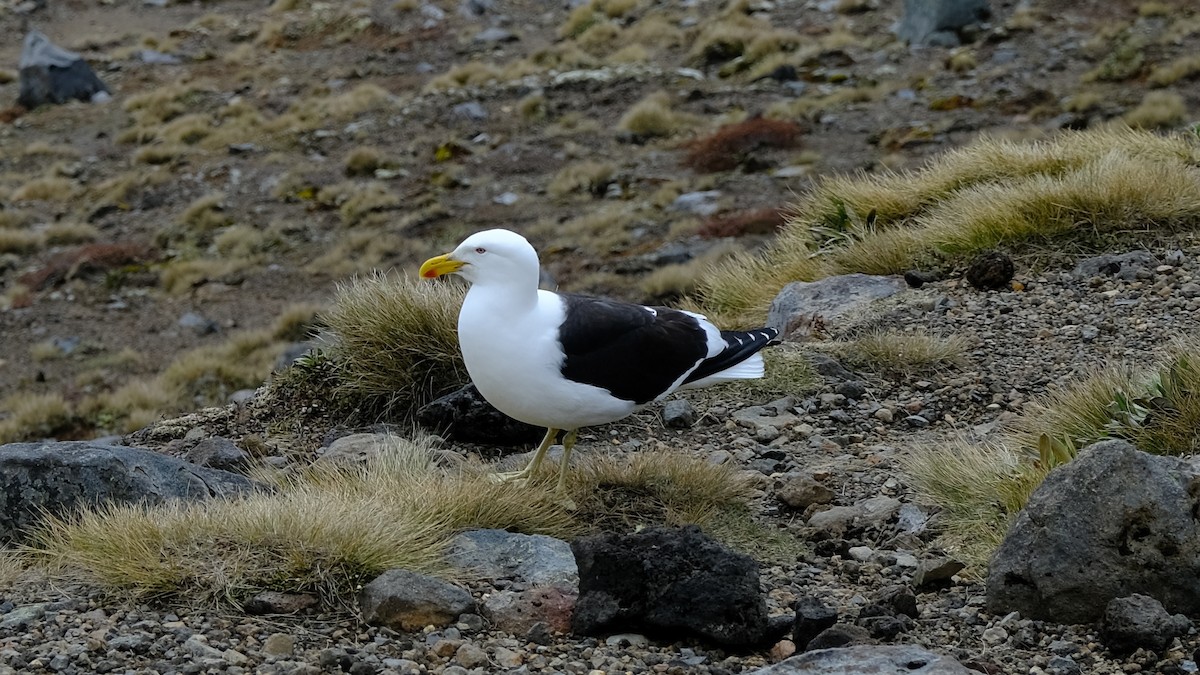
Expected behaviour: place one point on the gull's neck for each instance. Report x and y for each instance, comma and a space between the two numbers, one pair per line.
504, 297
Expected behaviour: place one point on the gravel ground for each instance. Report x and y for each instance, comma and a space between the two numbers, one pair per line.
1021, 345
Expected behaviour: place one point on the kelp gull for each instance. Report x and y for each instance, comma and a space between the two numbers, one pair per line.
565, 361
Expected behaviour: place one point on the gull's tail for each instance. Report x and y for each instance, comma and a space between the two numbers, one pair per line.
739, 360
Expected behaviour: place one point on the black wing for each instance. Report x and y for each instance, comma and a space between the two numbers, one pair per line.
632, 353
739, 346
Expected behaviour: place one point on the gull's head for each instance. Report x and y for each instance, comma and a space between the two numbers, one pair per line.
492, 255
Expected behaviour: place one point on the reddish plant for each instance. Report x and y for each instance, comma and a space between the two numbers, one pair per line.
87, 259
736, 144
759, 221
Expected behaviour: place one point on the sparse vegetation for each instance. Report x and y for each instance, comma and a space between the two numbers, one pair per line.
1159, 109
27, 417
652, 117
980, 488
1182, 68
991, 193
588, 177
332, 527
905, 354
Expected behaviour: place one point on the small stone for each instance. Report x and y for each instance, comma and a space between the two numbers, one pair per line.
916, 421
539, 633
840, 635
800, 491
470, 656
861, 553
279, 644
679, 414
274, 602
885, 415
936, 571
995, 636
781, 650
854, 389
1140, 621
507, 658
812, 617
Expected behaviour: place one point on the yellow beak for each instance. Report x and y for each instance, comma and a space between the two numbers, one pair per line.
439, 266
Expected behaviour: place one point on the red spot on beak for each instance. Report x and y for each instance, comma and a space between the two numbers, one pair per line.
431, 274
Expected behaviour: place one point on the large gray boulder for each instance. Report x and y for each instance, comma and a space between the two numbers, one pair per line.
60, 477
408, 601
1112, 522
867, 659
801, 303
51, 74
938, 22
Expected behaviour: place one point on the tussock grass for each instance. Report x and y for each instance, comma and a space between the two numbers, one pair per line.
1158, 109
1182, 68
991, 193
980, 488
12, 567
621, 493
905, 354
49, 188
589, 177
19, 241
61, 234
331, 527
27, 417
394, 340
652, 117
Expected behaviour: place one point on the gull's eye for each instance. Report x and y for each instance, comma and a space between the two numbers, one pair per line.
481, 250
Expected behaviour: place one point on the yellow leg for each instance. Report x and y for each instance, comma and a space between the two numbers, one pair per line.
568, 445
529, 470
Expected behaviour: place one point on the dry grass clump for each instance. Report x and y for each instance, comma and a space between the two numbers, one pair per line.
208, 375
981, 488
991, 193
27, 417
357, 202
332, 527
43, 149
19, 241
48, 189
394, 342
61, 234
652, 117
737, 144
364, 161
588, 177
470, 74
670, 283
1182, 68
1158, 109
906, 354
623, 493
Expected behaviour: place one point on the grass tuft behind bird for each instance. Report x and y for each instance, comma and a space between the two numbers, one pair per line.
988, 194
393, 342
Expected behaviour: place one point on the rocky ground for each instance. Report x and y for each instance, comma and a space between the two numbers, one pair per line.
839, 446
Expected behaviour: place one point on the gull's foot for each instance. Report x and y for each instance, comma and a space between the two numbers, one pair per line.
518, 477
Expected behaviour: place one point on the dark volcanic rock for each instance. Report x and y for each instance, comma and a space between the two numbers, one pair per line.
840, 635
667, 580
464, 415
990, 271
1140, 621
58, 477
51, 74
812, 617
1125, 266
1112, 522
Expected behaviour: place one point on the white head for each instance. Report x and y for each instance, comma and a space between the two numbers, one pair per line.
489, 257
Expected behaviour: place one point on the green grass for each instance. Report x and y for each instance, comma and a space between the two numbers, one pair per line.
989, 194
332, 527
980, 488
